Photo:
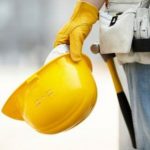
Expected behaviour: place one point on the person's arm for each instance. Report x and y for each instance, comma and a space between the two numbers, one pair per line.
75, 31
96, 3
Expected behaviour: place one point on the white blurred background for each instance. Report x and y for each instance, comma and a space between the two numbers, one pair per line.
27, 32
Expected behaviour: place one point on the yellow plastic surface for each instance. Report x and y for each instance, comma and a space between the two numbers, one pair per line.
57, 97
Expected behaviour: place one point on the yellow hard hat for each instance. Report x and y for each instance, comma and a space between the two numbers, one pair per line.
57, 97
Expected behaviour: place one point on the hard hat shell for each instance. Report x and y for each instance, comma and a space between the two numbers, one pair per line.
57, 97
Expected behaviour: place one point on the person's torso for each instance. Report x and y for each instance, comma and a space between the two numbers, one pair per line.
114, 7
121, 5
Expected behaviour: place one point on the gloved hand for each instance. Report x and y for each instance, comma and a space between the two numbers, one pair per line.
77, 29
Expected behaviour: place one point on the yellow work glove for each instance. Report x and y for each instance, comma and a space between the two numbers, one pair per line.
77, 29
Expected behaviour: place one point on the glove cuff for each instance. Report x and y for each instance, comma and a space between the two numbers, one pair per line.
86, 11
